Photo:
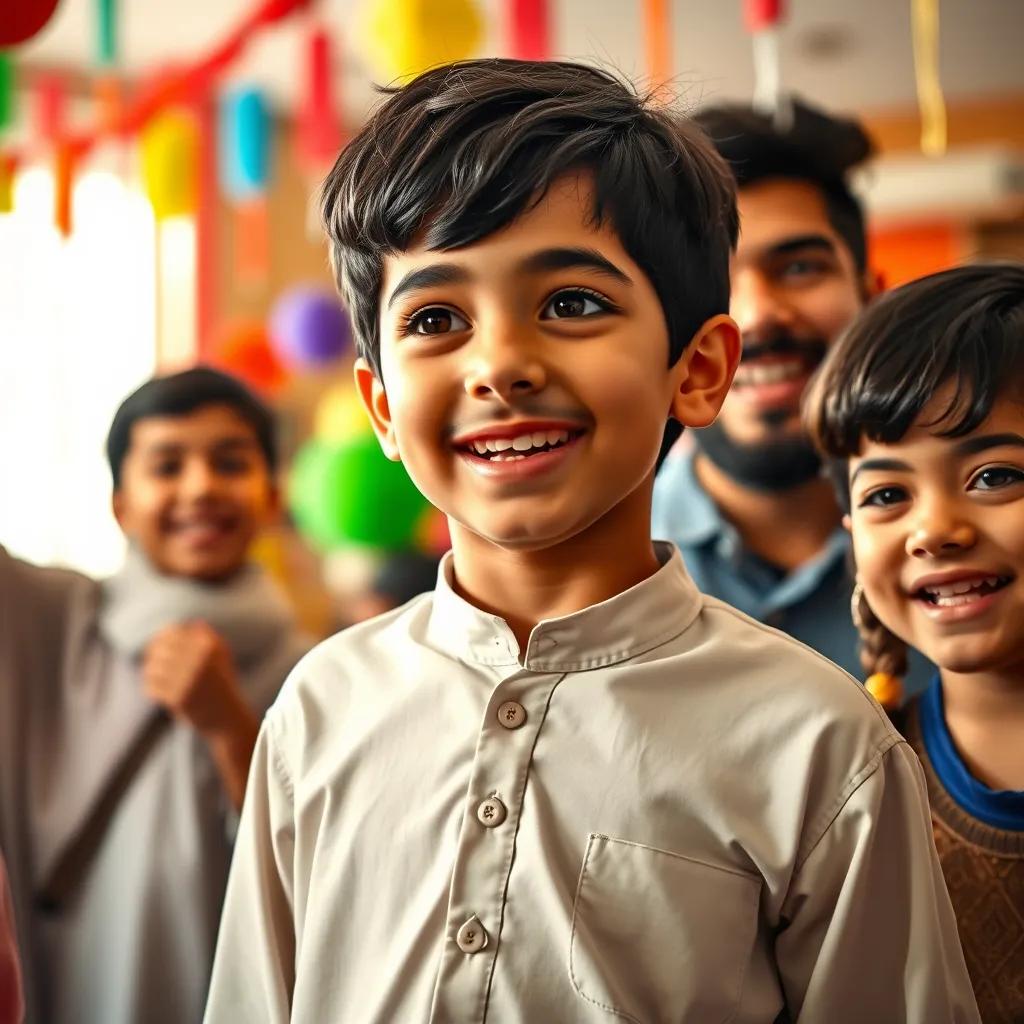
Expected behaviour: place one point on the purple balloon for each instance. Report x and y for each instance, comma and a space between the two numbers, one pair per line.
308, 327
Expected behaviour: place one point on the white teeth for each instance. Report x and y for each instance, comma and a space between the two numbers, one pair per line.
480, 447
558, 436
502, 444
769, 373
523, 443
508, 458
540, 438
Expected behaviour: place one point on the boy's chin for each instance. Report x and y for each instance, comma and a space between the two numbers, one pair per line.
204, 568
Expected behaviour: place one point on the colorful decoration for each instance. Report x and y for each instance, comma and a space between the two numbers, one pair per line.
529, 30
762, 19
106, 31
925, 20
170, 146
245, 350
408, 36
6, 91
350, 493
8, 165
245, 144
63, 185
318, 123
658, 43
22, 19
49, 108
340, 415
308, 327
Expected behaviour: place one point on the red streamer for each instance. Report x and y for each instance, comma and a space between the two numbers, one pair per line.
319, 124
530, 30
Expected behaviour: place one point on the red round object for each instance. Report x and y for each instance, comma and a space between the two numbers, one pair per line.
23, 19
761, 14
245, 351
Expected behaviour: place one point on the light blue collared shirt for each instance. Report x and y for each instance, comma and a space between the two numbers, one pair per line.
811, 603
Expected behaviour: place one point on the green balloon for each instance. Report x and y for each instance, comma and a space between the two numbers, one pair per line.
350, 493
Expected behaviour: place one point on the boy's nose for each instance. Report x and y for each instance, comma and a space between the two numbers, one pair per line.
504, 370
198, 479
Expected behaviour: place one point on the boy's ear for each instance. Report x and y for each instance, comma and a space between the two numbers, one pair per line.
375, 402
847, 522
704, 372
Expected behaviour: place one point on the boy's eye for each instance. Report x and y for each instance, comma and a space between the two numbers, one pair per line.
797, 269
883, 497
994, 478
165, 469
573, 303
231, 465
434, 320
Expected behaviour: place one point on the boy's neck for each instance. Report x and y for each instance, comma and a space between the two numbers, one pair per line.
985, 716
785, 528
527, 587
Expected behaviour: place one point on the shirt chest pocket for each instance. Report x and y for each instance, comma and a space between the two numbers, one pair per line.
659, 938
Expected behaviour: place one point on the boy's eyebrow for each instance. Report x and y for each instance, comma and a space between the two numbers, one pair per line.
161, 448
571, 258
429, 277
546, 260
974, 445
888, 465
802, 242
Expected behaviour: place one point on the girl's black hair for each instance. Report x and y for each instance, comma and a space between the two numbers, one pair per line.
962, 327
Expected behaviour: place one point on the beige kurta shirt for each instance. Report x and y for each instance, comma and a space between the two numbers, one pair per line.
659, 811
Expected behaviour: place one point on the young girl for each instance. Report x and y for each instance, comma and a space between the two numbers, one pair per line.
921, 407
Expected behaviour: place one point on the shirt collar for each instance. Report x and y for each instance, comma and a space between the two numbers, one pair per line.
626, 625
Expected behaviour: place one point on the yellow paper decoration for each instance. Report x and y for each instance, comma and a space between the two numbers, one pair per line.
6, 184
340, 415
407, 37
170, 163
925, 22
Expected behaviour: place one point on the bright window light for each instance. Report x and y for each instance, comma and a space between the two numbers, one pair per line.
77, 333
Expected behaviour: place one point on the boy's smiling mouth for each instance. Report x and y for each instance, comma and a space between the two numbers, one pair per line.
521, 448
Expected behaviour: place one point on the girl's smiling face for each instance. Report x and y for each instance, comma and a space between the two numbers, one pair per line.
938, 536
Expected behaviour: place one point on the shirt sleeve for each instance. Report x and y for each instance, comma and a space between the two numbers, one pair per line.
869, 932
254, 966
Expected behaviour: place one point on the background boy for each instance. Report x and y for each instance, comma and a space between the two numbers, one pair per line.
129, 708
565, 785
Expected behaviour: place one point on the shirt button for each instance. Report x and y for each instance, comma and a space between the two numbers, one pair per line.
491, 812
471, 937
512, 714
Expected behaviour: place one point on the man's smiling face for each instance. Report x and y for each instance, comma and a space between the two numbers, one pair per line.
525, 383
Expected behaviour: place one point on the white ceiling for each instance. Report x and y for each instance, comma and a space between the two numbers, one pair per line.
867, 60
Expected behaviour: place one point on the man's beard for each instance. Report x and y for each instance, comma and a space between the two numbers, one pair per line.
771, 466
777, 463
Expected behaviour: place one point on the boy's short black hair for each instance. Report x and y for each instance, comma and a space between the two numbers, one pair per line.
179, 394
962, 327
465, 148
813, 146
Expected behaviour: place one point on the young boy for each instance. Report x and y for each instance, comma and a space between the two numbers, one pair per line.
921, 407
565, 786
129, 709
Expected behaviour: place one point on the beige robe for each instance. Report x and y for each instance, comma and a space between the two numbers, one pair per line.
659, 812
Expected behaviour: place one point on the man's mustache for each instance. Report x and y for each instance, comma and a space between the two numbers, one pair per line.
811, 349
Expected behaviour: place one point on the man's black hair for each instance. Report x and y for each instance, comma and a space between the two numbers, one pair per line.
962, 328
179, 394
810, 146
464, 149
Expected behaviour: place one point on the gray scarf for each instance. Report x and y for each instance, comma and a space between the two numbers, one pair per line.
247, 610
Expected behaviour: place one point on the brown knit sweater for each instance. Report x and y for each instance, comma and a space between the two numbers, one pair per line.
984, 871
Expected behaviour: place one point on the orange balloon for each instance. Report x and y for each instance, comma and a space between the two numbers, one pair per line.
244, 350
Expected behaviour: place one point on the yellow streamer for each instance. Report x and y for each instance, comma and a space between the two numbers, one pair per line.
925, 18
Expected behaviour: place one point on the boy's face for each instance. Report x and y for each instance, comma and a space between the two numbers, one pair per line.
795, 287
525, 377
195, 489
938, 535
